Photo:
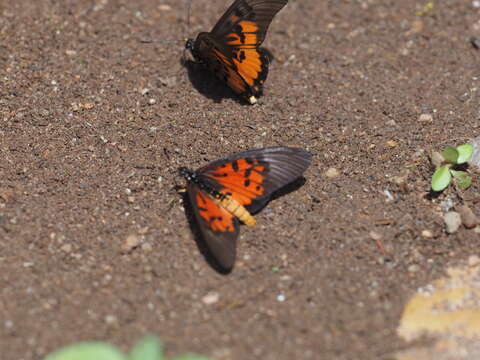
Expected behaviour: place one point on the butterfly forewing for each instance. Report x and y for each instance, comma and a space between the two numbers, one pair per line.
247, 17
252, 176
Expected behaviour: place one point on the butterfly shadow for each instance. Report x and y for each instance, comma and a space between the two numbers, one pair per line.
198, 238
285, 190
207, 84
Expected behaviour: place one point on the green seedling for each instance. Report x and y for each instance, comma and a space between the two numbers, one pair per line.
148, 348
450, 159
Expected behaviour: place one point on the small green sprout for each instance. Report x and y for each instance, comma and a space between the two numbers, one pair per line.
148, 348
450, 158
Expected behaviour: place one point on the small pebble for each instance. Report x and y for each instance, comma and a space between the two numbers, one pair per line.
210, 298
67, 248
147, 247
332, 173
143, 230
469, 219
402, 182
164, 7
475, 160
473, 260
375, 236
413, 268
417, 27
392, 143
452, 221
436, 159
7, 195
110, 319
427, 234
446, 204
389, 195
8, 324
425, 118
130, 243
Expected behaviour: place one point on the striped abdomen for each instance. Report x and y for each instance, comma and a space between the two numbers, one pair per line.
238, 210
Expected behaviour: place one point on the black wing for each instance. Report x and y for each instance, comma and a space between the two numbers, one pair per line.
246, 17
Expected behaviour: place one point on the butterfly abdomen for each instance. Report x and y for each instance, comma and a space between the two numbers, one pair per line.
236, 209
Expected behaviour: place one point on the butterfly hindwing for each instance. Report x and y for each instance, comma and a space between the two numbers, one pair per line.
218, 227
223, 64
251, 177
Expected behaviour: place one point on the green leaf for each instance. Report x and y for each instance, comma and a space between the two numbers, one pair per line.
462, 179
465, 153
149, 348
450, 154
191, 357
87, 351
441, 178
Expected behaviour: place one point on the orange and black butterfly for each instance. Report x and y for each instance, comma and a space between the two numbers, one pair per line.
229, 190
231, 50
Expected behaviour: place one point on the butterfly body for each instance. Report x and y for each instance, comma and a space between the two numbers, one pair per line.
232, 49
230, 190
222, 199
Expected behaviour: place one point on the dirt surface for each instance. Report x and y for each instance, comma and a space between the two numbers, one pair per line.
94, 124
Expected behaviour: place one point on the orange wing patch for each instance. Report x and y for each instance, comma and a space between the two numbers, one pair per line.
216, 218
241, 179
245, 34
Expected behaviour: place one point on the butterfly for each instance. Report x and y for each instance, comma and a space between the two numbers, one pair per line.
231, 50
228, 191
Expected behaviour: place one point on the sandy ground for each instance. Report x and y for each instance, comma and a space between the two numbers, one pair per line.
94, 124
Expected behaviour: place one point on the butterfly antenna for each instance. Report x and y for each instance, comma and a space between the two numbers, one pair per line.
149, 41
188, 15
185, 31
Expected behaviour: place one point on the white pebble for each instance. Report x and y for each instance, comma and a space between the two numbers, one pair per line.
131, 242
425, 118
473, 260
452, 221
110, 319
427, 234
8, 324
210, 298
